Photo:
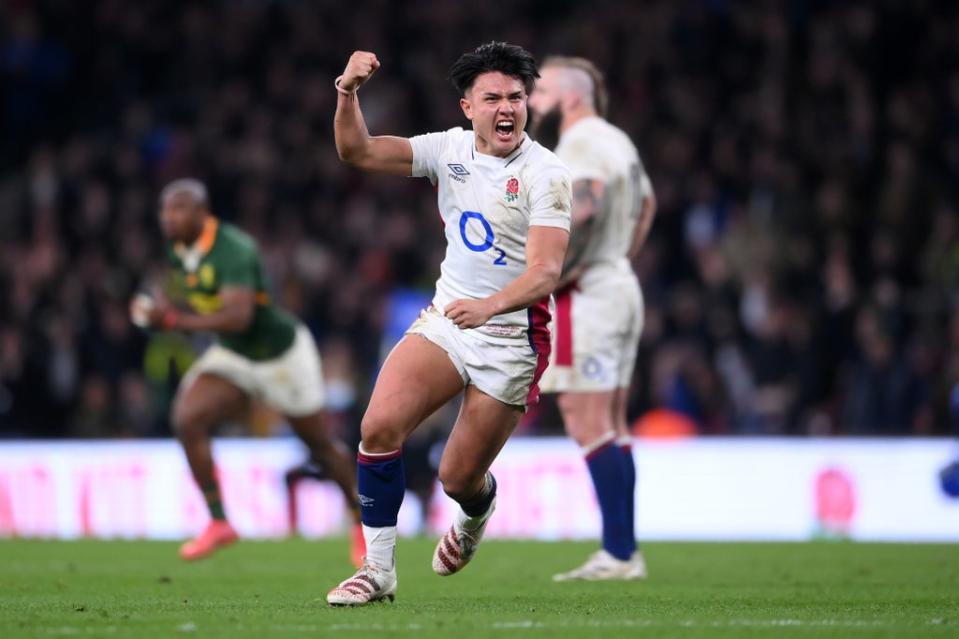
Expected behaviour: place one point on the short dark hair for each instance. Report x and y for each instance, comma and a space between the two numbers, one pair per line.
508, 59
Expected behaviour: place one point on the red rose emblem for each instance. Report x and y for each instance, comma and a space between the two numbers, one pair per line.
512, 187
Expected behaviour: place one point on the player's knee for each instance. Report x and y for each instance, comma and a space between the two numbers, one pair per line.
189, 422
580, 429
584, 422
571, 408
314, 434
380, 433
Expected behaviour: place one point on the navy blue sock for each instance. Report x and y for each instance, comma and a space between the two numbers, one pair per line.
627, 450
381, 481
478, 504
608, 469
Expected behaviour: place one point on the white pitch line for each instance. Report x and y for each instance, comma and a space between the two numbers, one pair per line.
530, 624
732, 623
375, 626
775, 623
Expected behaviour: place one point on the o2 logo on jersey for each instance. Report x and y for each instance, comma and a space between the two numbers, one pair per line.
480, 227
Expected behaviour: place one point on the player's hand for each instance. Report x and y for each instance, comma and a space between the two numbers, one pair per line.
159, 315
148, 312
469, 313
360, 68
140, 308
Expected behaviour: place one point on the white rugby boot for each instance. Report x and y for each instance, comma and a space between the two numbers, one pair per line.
369, 583
456, 548
602, 566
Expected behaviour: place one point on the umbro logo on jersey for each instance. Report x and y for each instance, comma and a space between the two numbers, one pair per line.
366, 501
458, 172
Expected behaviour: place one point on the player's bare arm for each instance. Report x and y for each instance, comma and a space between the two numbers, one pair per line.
545, 250
588, 200
234, 315
354, 144
646, 215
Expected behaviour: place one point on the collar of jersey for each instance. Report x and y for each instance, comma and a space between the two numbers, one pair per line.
518, 151
191, 255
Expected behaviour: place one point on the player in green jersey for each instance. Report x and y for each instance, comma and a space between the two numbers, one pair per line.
261, 351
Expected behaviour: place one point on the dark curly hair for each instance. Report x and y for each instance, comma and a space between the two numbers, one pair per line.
508, 59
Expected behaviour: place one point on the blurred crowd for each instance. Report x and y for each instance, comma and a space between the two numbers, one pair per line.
801, 277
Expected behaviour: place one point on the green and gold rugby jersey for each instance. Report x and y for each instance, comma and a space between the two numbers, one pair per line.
222, 257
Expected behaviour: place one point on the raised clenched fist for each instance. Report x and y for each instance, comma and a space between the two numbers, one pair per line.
359, 69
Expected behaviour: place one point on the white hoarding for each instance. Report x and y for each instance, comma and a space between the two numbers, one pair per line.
701, 489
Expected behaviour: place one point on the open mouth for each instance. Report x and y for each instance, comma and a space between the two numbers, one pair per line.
504, 129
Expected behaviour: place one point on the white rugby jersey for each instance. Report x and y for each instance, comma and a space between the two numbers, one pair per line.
595, 149
488, 204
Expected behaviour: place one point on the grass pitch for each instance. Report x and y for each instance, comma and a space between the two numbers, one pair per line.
276, 589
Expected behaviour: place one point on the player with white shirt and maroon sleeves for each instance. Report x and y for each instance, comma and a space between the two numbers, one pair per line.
505, 202
599, 306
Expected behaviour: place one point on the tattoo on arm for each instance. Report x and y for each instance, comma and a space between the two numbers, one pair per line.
584, 197
588, 201
578, 240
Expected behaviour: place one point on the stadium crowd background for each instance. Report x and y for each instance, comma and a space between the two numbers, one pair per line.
801, 277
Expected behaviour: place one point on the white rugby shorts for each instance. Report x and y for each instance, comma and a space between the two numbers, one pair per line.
291, 383
596, 329
505, 372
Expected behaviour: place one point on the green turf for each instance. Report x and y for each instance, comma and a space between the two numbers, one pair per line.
276, 589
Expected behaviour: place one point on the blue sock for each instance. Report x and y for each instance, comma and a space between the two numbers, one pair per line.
381, 481
608, 469
478, 504
627, 450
